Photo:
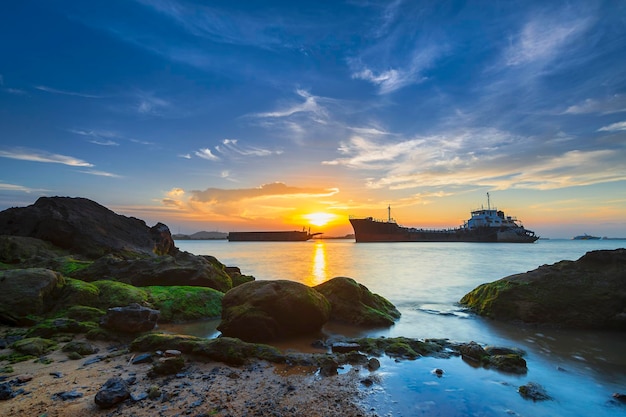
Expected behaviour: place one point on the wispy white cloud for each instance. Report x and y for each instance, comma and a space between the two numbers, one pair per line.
205, 153
615, 127
309, 105
20, 188
185, 156
613, 104
65, 93
542, 39
149, 104
486, 157
36, 155
101, 173
106, 137
232, 146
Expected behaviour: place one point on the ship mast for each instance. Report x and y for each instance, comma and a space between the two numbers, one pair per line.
389, 213
488, 202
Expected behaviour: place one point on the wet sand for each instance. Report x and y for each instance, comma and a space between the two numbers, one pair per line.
200, 389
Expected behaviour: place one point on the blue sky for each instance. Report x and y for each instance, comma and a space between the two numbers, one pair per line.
214, 115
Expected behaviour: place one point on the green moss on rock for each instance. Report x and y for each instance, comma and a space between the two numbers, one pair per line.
183, 303
118, 294
34, 346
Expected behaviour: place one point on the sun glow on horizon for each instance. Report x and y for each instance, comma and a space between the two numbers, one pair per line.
320, 219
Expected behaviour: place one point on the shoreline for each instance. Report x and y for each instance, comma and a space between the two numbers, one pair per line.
200, 389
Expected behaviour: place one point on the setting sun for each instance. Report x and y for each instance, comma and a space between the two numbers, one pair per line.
319, 219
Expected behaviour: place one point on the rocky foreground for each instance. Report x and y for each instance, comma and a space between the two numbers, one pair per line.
82, 290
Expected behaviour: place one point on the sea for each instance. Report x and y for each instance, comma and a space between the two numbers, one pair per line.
579, 370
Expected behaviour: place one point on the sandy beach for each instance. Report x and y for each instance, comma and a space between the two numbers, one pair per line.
201, 389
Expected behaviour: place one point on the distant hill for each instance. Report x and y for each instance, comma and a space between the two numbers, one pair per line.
202, 236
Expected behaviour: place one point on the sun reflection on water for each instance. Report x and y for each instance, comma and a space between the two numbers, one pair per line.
319, 269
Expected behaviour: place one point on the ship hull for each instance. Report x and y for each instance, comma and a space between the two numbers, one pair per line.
280, 236
369, 230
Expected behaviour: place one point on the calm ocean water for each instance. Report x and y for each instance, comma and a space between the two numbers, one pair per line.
580, 370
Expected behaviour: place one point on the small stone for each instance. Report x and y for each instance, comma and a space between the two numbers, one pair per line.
373, 364
368, 382
619, 397
21, 379
112, 392
57, 374
533, 391
67, 395
171, 353
438, 372
143, 358
6, 392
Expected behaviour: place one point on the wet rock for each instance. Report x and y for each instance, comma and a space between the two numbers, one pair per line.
168, 366
344, 347
113, 392
533, 391
261, 311
373, 364
130, 319
67, 395
473, 351
27, 291
438, 372
368, 382
328, 367
80, 347
512, 363
143, 358
587, 293
353, 303
6, 391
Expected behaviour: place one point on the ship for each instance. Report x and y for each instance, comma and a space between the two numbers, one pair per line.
586, 237
484, 225
272, 236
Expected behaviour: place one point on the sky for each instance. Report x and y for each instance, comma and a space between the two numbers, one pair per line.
279, 115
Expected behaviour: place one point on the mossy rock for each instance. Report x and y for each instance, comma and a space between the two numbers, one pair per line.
84, 313
353, 303
236, 352
77, 292
69, 265
168, 366
400, 347
34, 346
184, 303
80, 347
164, 341
59, 326
118, 294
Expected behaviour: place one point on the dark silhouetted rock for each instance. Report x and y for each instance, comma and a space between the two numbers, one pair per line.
113, 392
85, 227
353, 303
473, 351
25, 291
130, 319
587, 293
269, 310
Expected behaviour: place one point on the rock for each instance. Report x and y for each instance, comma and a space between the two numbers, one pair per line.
533, 391
182, 269
28, 291
113, 392
473, 351
373, 364
587, 293
6, 391
328, 367
85, 227
67, 395
344, 347
27, 250
168, 366
34, 346
143, 358
269, 310
130, 319
620, 397
511, 363
80, 347
353, 303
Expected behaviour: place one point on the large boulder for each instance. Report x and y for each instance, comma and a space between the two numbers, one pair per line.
587, 293
353, 303
181, 269
85, 227
26, 292
261, 311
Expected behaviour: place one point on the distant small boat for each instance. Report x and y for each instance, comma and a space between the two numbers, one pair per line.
272, 236
586, 237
